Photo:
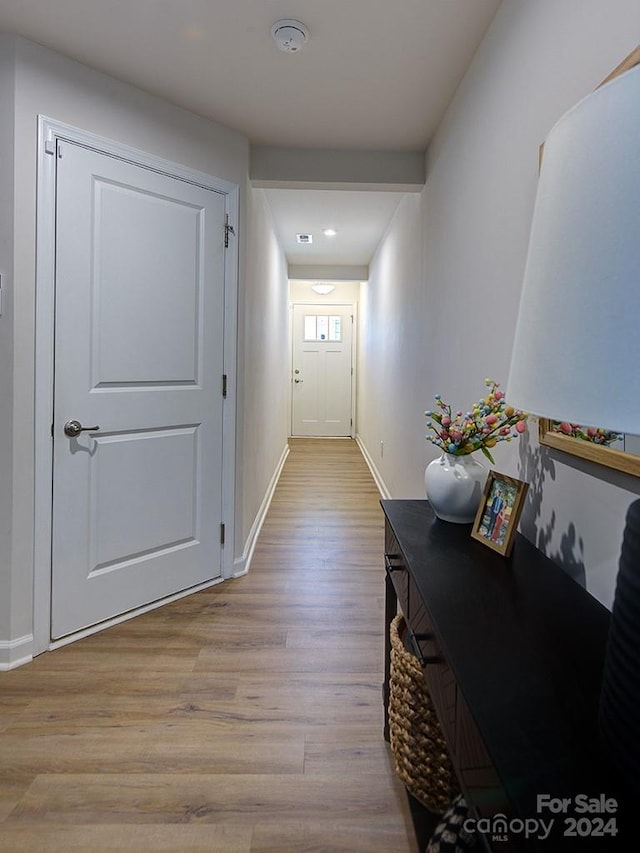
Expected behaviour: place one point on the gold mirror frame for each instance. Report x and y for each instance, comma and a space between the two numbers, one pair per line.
617, 459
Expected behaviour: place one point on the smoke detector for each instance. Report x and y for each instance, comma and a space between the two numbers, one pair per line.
289, 35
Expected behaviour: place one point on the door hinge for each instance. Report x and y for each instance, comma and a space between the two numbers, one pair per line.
224, 385
228, 229
222, 534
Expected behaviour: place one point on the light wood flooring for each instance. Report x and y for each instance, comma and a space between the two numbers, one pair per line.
243, 719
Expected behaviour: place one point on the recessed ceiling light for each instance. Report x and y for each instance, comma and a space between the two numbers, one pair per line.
329, 232
304, 238
323, 289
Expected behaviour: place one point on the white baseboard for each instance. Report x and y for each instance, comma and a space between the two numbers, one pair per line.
14, 653
241, 564
382, 488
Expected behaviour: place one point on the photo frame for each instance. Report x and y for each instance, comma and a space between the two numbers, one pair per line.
497, 517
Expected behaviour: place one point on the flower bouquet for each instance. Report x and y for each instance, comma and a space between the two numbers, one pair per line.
490, 420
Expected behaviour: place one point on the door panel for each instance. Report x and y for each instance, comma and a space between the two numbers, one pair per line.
322, 377
134, 514
139, 354
136, 282
337, 387
307, 390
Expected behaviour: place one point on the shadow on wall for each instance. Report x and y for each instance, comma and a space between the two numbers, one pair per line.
536, 466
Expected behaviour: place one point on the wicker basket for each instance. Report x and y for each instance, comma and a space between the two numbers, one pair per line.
417, 743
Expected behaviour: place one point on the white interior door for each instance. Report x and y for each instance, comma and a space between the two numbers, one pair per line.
138, 363
322, 370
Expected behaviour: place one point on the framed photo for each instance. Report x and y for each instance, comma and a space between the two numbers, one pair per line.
497, 518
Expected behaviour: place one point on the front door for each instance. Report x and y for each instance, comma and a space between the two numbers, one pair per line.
322, 370
138, 364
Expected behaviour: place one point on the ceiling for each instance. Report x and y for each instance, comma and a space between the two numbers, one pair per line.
374, 75
359, 218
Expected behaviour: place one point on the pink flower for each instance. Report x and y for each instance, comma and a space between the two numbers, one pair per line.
521, 427
487, 422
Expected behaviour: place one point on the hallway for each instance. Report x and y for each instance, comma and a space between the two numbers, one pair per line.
243, 719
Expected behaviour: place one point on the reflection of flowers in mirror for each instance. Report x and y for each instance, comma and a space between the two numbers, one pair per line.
490, 420
595, 435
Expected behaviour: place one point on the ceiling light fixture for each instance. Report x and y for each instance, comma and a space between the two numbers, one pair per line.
329, 232
323, 289
289, 35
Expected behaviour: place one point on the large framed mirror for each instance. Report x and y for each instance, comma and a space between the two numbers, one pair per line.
624, 454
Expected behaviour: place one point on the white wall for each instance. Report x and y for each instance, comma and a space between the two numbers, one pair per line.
394, 325
442, 322
264, 383
47, 83
6, 321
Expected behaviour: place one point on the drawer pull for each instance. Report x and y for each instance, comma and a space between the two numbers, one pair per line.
389, 565
424, 660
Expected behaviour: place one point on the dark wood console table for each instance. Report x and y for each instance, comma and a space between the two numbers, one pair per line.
512, 652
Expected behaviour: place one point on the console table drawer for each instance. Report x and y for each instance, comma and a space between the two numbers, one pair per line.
396, 569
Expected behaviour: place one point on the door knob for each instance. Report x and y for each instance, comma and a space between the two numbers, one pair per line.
298, 380
74, 428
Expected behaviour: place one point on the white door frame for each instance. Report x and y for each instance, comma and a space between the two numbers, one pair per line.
49, 131
353, 306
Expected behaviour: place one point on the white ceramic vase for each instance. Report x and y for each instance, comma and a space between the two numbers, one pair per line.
454, 487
